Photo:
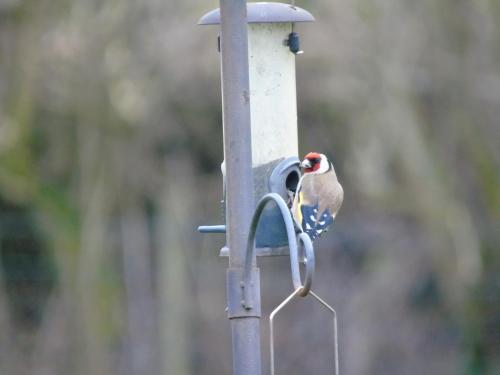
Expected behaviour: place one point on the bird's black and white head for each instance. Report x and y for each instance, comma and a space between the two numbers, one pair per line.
316, 163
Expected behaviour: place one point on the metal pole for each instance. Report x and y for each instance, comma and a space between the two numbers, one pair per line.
245, 322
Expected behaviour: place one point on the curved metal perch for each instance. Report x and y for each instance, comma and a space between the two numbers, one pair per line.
295, 242
303, 239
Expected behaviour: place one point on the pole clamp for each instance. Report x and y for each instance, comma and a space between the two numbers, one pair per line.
236, 288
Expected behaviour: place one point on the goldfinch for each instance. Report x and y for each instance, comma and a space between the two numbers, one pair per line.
318, 197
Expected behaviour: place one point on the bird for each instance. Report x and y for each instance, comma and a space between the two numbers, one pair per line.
318, 196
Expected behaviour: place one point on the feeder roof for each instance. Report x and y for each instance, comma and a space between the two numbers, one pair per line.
264, 13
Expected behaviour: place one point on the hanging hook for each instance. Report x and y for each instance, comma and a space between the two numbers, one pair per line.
303, 240
301, 289
325, 305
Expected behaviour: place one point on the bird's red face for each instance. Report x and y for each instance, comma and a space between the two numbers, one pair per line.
311, 162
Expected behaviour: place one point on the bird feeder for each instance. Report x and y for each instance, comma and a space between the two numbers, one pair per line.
272, 48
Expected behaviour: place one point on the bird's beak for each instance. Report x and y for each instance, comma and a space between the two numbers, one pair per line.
306, 164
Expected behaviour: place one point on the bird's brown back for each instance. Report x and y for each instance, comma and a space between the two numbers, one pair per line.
314, 186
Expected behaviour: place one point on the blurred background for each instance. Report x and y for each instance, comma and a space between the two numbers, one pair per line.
110, 147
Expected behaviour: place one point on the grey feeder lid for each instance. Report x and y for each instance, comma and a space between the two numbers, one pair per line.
264, 13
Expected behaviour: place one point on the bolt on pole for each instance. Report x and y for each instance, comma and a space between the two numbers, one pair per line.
245, 322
